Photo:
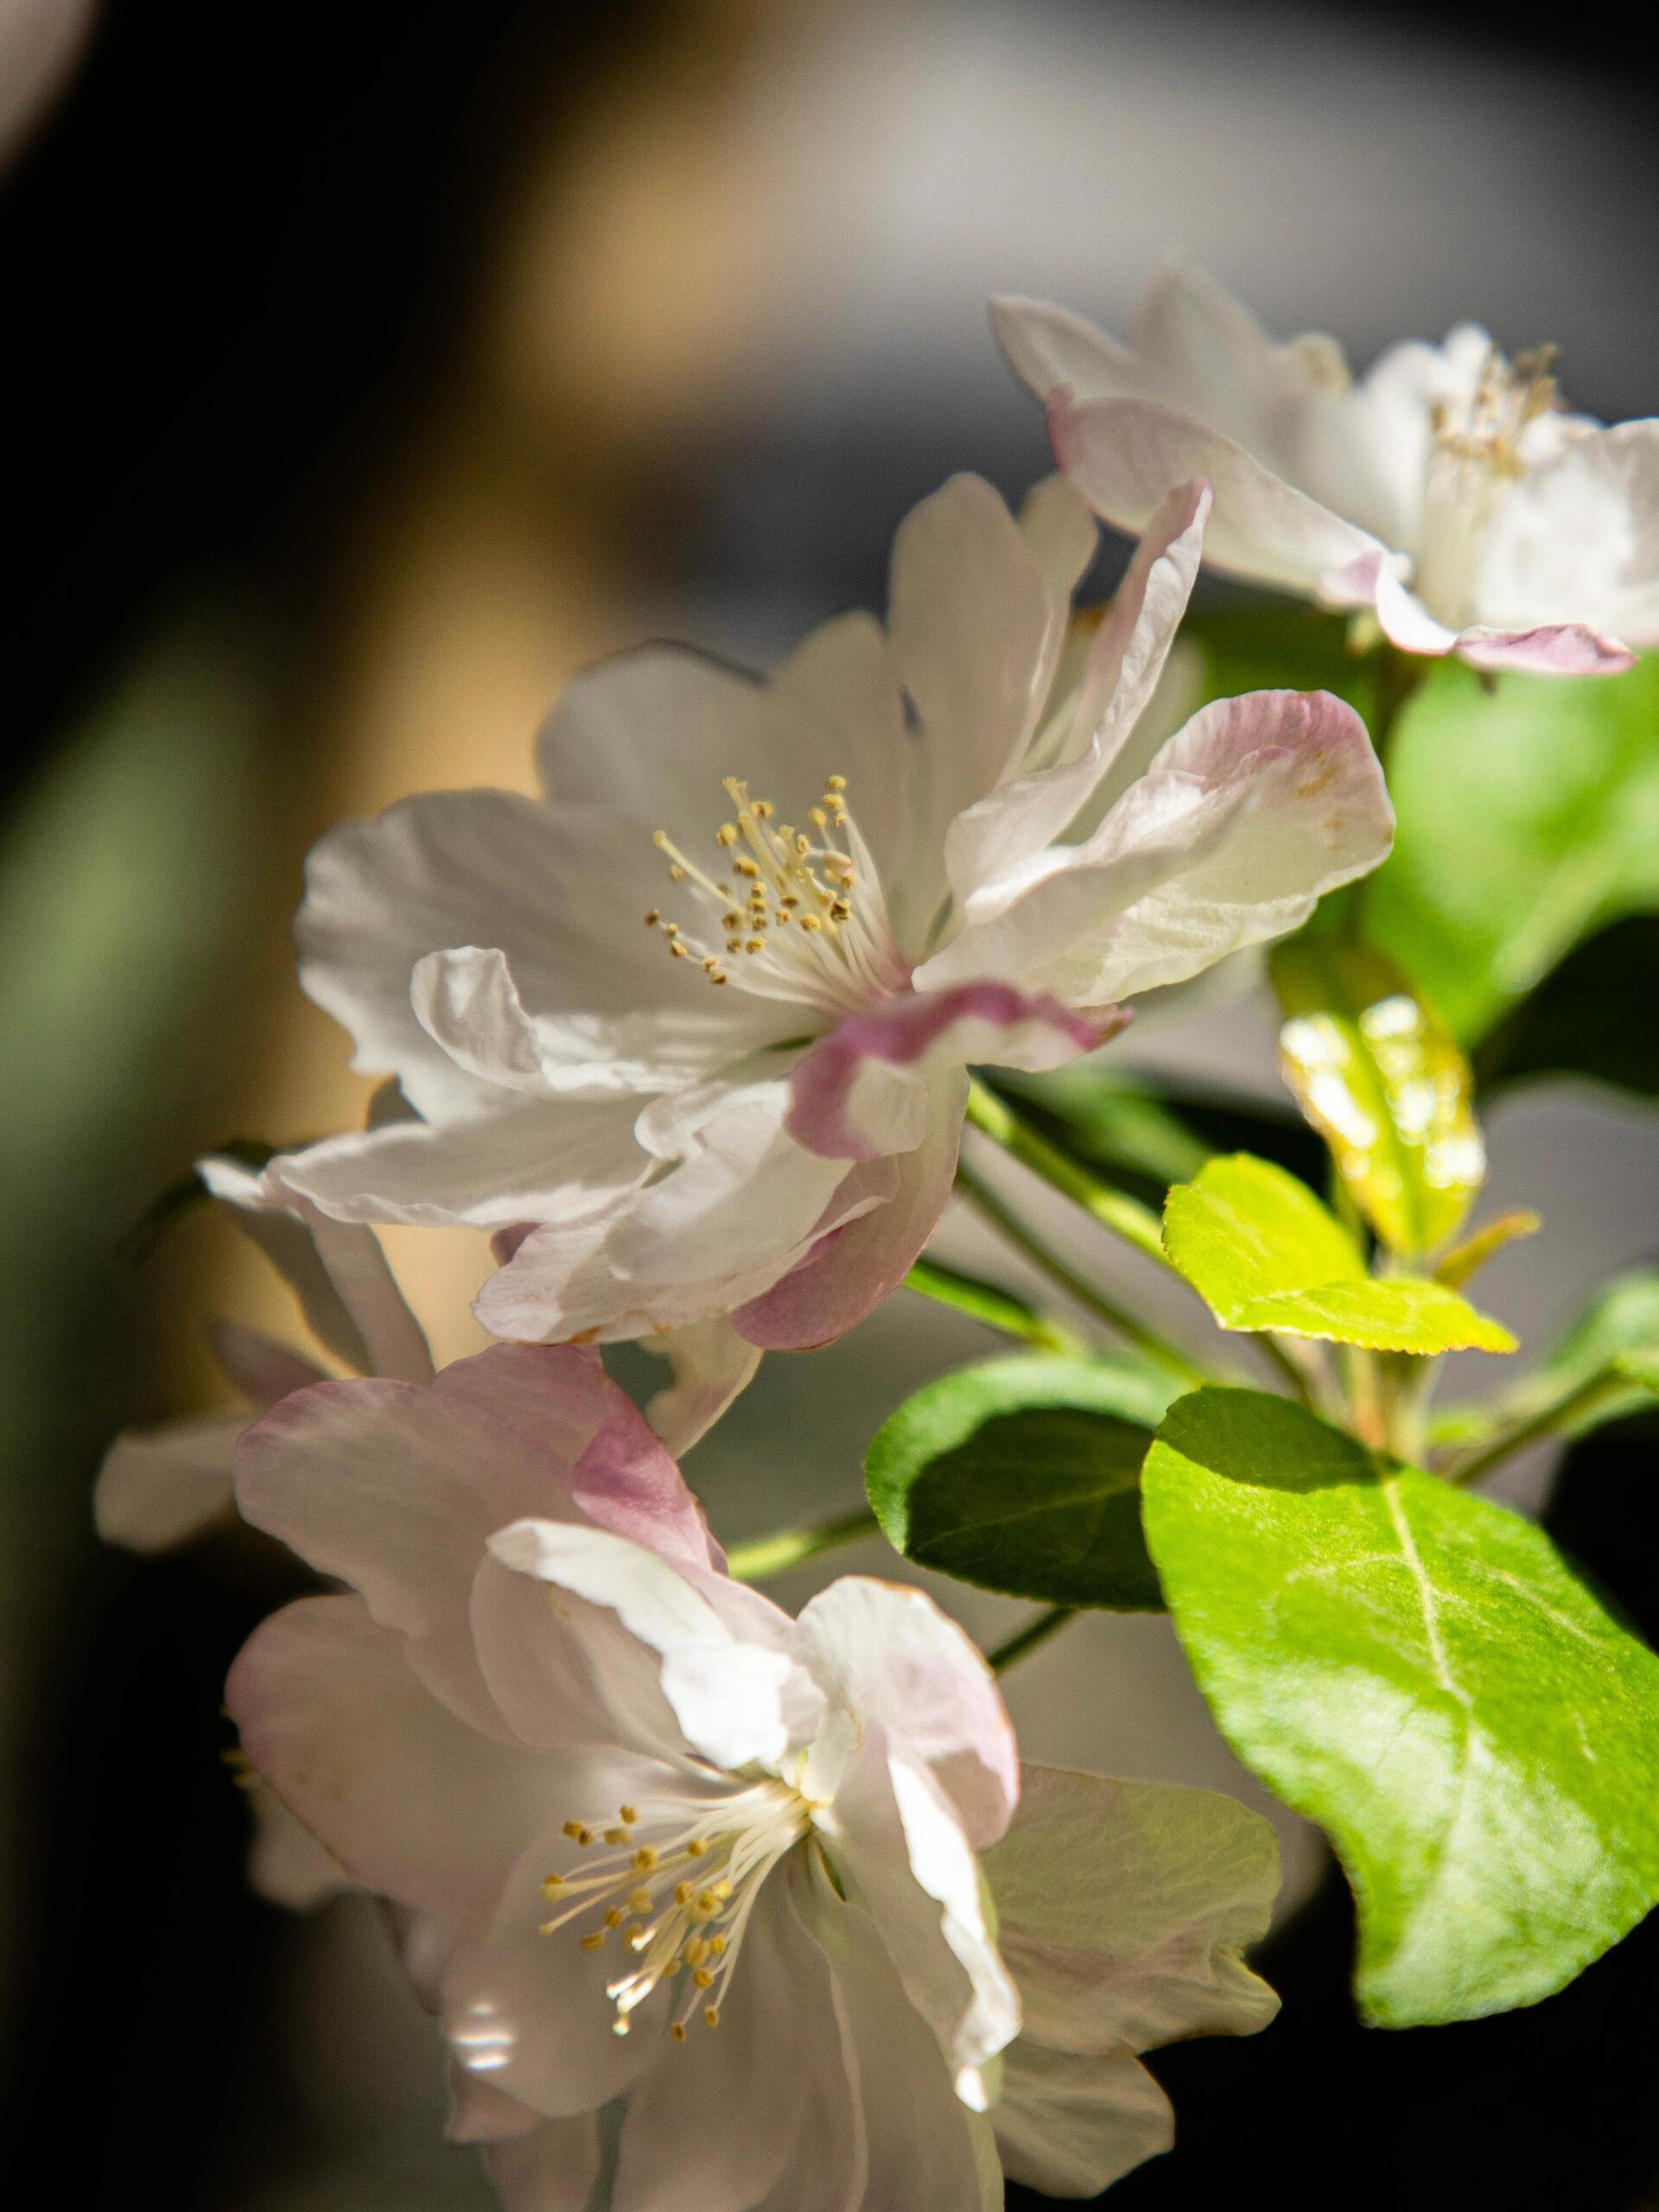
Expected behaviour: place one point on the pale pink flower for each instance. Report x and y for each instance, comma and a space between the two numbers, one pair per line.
649, 1839
694, 1029
1448, 489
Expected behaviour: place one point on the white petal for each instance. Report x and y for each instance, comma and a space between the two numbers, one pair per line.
1050, 347
1121, 674
976, 631
1124, 1908
348, 1293
161, 1487
552, 2168
1126, 455
1061, 533
711, 1365
467, 1001
287, 1864
537, 1159
736, 1701
882, 1649
1578, 540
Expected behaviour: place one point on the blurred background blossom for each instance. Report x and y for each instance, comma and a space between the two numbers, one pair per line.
371, 369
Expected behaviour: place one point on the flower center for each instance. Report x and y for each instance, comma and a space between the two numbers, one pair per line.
680, 1906
1476, 450
797, 913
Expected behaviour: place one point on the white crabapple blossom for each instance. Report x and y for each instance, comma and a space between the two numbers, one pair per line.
1446, 489
775, 1887
692, 1029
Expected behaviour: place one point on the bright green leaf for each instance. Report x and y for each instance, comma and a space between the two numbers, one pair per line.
1023, 1475
1419, 1670
1385, 1084
1263, 1253
1528, 817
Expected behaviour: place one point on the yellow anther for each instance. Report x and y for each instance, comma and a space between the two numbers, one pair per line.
754, 944
721, 977
618, 1835
595, 1942
716, 1947
840, 911
818, 818
640, 1900
645, 1859
626, 1814
676, 874
703, 1979
811, 921
790, 900
683, 1892
577, 1833
744, 867
727, 834
731, 921
722, 1891
653, 917
678, 2031
711, 961
763, 810
695, 1848
616, 1916
551, 1884
835, 782
677, 949
803, 845
695, 1951
711, 2013
709, 1901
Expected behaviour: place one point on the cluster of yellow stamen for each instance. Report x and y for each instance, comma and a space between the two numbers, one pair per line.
679, 1907
780, 878
1508, 395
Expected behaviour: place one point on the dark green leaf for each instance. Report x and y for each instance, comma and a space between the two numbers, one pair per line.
1589, 1017
1023, 1475
1419, 1670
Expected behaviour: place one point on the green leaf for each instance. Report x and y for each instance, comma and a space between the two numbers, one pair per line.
1585, 1019
1385, 1084
1419, 1670
1263, 1253
1023, 1475
1528, 817
1618, 1329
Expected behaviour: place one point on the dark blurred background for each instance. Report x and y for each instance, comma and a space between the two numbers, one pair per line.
371, 368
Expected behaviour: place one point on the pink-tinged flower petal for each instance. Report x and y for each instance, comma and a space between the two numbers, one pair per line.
1126, 455
853, 1268
1125, 661
899, 1850
976, 631
1560, 649
479, 2113
396, 1489
711, 1364
540, 1158
287, 1864
922, 2148
864, 1090
1372, 582
161, 1487
406, 1798
338, 1271
551, 2169
1049, 347
761, 2111
884, 1650
736, 1699
1277, 797
1072, 2126
1123, 1907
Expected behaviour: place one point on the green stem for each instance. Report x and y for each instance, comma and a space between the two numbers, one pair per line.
1546, 1421
1092, 1300
997, 1307
770, 1555
1033, 1633
1125, 1217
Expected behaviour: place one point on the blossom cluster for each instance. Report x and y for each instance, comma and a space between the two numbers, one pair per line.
690, 1036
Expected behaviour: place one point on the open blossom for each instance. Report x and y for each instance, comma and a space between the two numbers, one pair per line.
1448, 489
694, 1029
762, 1879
